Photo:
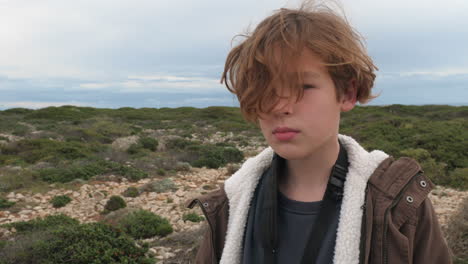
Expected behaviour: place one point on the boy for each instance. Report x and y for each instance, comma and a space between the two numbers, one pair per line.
314, 196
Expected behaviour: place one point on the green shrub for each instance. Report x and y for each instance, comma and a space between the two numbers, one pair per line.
49, 221
11, 180
215, 157
458, 178
75, 171
62, 113
34, 150
20, 130
79, 244
88, 169
161, 171
134, 148
115, 202
145, 224
60, 201
159, 186
131, 192
179, 143
208, 155
192, 217
4, 203
149, 143
17, 111
130, 173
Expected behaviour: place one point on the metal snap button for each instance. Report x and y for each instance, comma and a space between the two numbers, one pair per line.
205, 204
423, 184
409, 199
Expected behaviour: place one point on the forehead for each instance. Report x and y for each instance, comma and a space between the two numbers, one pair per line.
303, 64
304, 61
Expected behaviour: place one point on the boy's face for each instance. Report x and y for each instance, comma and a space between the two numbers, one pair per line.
299, 130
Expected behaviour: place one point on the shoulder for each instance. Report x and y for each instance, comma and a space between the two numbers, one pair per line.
403, 184
210, 202
392, 176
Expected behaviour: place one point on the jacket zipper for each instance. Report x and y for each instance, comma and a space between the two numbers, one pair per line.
364, 226
210, 225
395, 201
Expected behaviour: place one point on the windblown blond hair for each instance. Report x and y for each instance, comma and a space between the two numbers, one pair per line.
253, 65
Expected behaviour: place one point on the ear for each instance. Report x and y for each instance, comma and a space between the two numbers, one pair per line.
348, 100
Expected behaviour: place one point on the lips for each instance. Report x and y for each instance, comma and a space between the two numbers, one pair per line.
285, 133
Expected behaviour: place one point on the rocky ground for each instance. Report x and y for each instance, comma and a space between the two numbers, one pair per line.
89, 200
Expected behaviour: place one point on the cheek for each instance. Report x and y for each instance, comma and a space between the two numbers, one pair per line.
264, 127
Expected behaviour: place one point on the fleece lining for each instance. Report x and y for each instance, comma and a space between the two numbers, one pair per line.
240, 188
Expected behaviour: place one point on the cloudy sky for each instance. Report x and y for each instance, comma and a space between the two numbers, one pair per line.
170, 53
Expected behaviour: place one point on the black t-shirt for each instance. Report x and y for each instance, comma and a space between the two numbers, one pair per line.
295, 222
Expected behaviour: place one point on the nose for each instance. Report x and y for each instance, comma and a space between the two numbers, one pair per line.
284, 106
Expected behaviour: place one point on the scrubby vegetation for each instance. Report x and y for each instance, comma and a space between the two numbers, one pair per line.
203, 155
77, 142
61, 239
192, 217
88, 169
4, 203
60, 201
131, 192
433, 135
145, 224
114, 203
63, 145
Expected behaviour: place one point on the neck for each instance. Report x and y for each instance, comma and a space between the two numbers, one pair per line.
306, 179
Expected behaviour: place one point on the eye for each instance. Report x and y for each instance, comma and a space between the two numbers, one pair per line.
307, 86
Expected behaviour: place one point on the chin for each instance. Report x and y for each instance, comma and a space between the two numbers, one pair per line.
289, 153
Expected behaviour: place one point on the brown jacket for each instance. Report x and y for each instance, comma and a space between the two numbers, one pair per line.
399, 224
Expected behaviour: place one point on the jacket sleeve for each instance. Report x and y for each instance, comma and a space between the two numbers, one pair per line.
429, 243
205, 250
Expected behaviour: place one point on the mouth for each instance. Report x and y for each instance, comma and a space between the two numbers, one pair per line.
285, 133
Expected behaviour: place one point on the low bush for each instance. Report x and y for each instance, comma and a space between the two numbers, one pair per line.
149, 143
60, 201
34, 150
192, 217
115, 202
20, 130
4, 203
62, 113
131, 192
205, 155
458, 178
88, 169
159, 186
11, 180
214, 157
36, 224
79, 244
145, 224
142, 147
161, 171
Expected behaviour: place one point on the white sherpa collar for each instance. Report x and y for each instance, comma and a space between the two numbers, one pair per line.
241, 186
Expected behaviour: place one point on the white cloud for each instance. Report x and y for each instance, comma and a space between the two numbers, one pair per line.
435, 73
157, 83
